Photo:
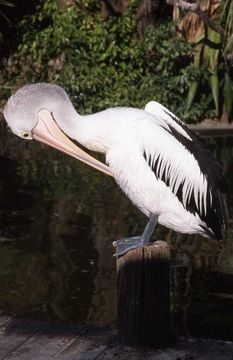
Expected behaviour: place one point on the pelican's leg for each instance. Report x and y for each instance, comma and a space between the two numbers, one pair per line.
124, 245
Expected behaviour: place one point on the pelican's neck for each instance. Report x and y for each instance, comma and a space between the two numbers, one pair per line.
85, 129
69, 121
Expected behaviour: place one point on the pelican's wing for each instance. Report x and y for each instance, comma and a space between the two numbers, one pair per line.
169, 120
181, 161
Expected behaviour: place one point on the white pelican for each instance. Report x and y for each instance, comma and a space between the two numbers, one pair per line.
158, 162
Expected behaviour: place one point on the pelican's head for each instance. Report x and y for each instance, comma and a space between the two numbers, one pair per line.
36, 110
22, 110
19, 117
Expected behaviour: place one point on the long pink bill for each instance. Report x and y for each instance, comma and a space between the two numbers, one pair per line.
48, 132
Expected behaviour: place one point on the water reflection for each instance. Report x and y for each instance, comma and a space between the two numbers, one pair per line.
58, 221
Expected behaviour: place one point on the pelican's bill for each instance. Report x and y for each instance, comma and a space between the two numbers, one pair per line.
48, 132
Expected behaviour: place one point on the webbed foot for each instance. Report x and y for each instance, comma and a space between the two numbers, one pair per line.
125, 244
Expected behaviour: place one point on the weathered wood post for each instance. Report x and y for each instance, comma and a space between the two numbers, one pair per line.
143, 284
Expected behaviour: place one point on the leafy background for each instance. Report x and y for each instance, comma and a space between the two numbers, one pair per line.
106, 61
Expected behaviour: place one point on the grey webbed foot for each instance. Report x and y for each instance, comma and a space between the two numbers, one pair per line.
124, 245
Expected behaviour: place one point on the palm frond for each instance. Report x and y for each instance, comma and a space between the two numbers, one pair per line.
227, 93
214, 83
191, 94
4, 3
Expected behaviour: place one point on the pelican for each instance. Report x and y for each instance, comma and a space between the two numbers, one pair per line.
158, 162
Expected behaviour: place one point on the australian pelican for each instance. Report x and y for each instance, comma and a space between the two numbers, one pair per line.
160, 164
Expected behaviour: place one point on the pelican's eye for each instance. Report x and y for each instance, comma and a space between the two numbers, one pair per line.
25, 134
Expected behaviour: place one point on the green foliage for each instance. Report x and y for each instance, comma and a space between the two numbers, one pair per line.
103, 63
175, 74
227, 20
211, 51
207, 54
91, 58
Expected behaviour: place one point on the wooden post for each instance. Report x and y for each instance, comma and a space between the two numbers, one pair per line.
143, 283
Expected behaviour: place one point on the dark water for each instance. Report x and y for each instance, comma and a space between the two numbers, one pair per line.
58, 221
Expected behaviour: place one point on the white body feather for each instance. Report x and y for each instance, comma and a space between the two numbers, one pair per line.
124, 134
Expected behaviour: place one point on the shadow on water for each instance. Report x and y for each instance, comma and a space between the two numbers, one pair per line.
58, 221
